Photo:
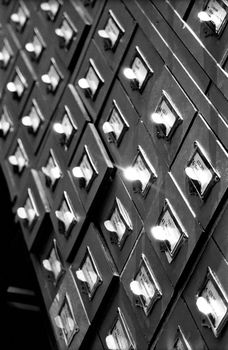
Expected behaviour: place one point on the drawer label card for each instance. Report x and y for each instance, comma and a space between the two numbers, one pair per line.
31, 209
118, 123
53, 263
121, 335
88, 168
119, 222
166, 117
94, 79
174, 233
141, 69
143, 171
5, 123
216, 300
114, 30
68, 126
91, 274
65, 215
201, 174
66, 320
217, 11
148, 288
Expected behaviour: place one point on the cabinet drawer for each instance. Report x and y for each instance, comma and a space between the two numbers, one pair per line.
200, 171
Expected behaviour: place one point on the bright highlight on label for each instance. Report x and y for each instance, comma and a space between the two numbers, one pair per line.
77, 172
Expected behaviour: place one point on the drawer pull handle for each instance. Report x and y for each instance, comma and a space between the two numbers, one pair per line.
162, 234
51, 82
77, 172
50, 8
83, 84
67, 218
199, 177
204, 307
106, 38
4, 58
109, 131
53, 266
130, 75
18, 163
28, 215
131, 174
110, 342
31, 122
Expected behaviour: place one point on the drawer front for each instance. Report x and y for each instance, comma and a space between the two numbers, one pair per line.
172, 229
181, 331
94, 272
34, 119
119, 222
7, 130
53, 80
206, 297
90, 168
69, 319
147, 286
69, 123
200, 171
71, 29
49, 265
32, 210
170, 112
140, 71
19, 86
143, 173
50, 170
208, 19
68, 217
17, 163
93, 80
118, 123
113, 32
8, 54
120, 328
